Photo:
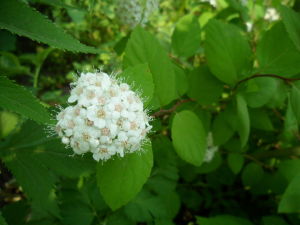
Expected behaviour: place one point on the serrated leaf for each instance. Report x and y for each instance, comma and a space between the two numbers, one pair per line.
203, 86
29, 154
282, 60
17, 99
120, 179
36, 180
227, 50
291, 20
290, 202
189, 137
140, 79
243, 124
19, 18
142, 48
7, 41
50, 151
186, 37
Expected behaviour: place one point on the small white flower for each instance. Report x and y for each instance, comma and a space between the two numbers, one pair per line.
107, 118
271, 15
211, 2
211, 149
249, 26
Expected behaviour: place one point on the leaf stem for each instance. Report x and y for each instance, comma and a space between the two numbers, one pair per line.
163, 112
287, 80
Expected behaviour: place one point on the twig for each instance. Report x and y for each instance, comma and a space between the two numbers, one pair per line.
257, 161
281, 153
163, 112
287, 80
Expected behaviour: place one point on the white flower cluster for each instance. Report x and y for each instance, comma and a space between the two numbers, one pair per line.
211, 149
134, 12
271, 15
211, 2
107, 119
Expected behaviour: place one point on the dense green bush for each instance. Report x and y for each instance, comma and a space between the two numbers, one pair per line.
221, 80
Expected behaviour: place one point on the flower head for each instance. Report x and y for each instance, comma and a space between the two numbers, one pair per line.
107, 119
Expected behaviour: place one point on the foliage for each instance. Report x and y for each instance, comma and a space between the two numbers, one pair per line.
222, 83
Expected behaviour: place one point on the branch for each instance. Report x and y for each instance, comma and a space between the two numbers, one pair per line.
163, 112
287, 80
281, 153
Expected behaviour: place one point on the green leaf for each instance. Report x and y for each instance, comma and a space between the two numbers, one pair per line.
15, 213
291, 20
36, 180
208, 167
295, 102
290, 202
235, 162
273, 220
186, 37
146, 205
142, 48
8, 123
19, 18
33, 140
223, 219
221, 128
118, 218
290, 123
7, 41
2, 220
282, 60
140, 79
181, 80
289, 168
57, 3
278, 100
10, 65
76, 213
189, 138
17, 99
248, 177
166, 173
243, 121
259, 91
119, 180
227, 50
203, 86
260, 120
33, 157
